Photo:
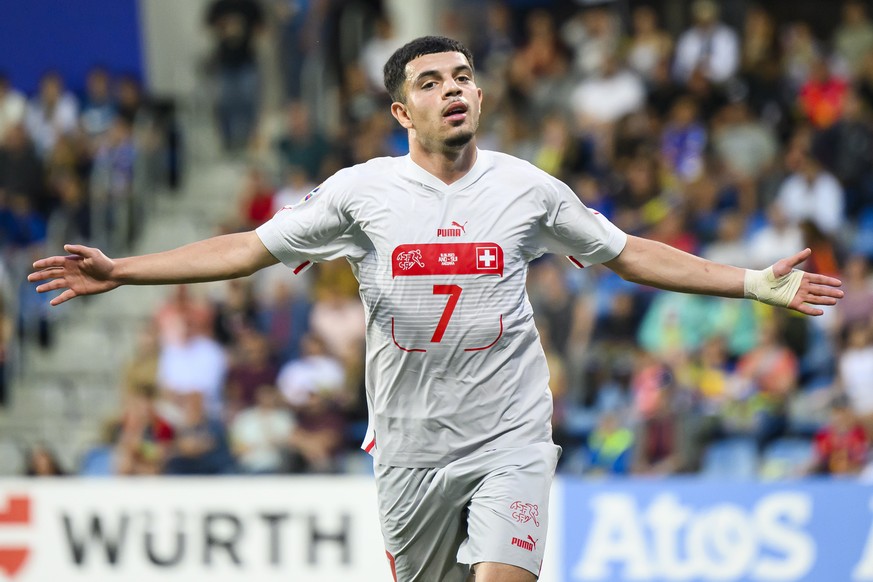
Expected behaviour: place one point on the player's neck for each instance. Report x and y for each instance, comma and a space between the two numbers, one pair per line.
448, 166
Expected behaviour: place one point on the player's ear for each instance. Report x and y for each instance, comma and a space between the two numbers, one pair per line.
401, 114
479, 92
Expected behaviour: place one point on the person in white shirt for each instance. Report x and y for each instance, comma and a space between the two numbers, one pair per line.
259, 435
709, 45
51, 114
812, 193
457, 384
12, 106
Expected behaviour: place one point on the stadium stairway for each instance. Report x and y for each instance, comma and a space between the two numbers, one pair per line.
63, 395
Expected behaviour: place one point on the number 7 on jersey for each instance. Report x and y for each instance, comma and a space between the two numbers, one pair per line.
454, 293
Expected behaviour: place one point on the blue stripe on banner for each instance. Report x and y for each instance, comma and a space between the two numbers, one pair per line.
68, 36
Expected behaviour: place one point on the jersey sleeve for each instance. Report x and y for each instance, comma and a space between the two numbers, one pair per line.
318, 228
570, 228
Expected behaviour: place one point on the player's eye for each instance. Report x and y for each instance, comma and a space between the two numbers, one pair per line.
429, 85
463, 79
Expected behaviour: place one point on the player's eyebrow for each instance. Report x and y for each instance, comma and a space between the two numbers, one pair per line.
436, 73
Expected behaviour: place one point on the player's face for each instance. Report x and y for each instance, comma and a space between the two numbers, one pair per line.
442, 101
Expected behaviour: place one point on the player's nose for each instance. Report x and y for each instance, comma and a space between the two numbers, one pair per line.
451, 88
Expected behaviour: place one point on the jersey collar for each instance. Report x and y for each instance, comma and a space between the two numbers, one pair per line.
414, 172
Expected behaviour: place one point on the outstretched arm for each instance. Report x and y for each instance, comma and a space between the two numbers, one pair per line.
87, 271
659, 265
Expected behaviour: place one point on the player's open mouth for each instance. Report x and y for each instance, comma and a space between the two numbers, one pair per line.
457, 111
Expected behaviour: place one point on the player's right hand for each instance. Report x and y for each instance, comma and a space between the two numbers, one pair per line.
85, 271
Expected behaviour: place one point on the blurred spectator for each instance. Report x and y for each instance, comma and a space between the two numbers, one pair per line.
197, 364
675, 323
377, 50
51, 114
855, 370
201, 446
730, 247
145, 438
41, 461
542, 56
256, 199
610, 446
130, 104
21, 226
182, 306
709, 45
70, 221
301, 26
854, 37
637, 194
826, 253
142, 369
98, 109
297, 185
812, 193
846, 148
12, 106
758, 40
563, 316
659, 441
493, 45
313, 386
767, 376
284, 319
800, 51
746, 146
593, 36
864, 81
302, 145
235, 24
607, 96
776, 239
648, 45
684, 140
260, 434
857, 305
662, 90
250, 369
6, 334
821, 97
235, 312
112, 187
21, 169
841, 447
337, 315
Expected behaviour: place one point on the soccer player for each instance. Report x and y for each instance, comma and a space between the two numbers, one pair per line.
440, 242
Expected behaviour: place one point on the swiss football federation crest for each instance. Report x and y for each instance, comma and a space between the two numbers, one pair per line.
525, 512
409, 259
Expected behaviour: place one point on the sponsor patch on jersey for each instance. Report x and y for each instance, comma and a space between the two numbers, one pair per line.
485, 258
311, 194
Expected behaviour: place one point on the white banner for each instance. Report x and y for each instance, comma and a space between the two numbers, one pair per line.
182, 529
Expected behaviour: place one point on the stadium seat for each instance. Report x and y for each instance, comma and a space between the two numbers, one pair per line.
732, 459
786, 458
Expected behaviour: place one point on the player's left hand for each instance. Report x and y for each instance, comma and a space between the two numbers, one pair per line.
814, 289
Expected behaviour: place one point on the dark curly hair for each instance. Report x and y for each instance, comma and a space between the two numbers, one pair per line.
395, 68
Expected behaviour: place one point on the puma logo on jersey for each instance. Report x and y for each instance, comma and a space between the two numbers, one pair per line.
529, 544
457, 229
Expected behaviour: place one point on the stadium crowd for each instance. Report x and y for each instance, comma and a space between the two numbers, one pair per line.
741, 142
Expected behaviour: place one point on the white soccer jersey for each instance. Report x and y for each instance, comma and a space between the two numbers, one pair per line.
454, 362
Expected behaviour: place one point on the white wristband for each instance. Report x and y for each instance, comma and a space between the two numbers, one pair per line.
767, 288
